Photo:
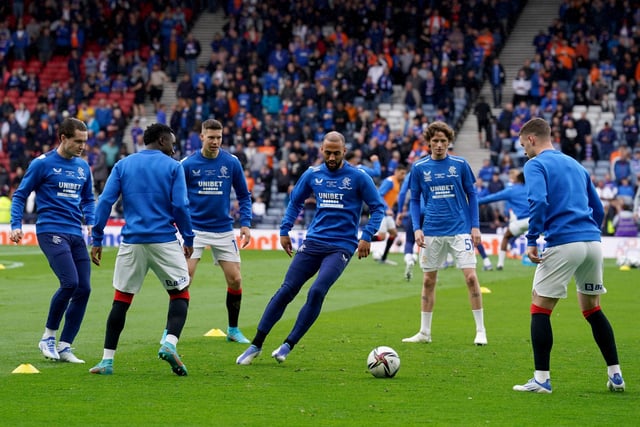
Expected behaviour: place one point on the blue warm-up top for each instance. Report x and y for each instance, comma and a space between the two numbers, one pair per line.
154, 198
339, 195
209, 185
450, 200
563, 202
64, 194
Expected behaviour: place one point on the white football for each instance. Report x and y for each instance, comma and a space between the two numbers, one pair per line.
383, 362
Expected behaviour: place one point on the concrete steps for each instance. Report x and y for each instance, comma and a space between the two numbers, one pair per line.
535, 16
204, 28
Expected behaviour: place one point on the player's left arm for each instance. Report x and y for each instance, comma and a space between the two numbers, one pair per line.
243, 195
88, 202
595, 203
180, 207
473, 209
472, 198
377, 212
109, 195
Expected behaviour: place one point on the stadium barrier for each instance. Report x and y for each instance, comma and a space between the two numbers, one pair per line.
612, 247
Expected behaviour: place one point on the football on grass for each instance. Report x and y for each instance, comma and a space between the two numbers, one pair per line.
383, 362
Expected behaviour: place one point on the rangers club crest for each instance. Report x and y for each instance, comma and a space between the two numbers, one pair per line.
345, 184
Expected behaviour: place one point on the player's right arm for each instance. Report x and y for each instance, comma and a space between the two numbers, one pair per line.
299, 194
538, 201
27, 185
106, 200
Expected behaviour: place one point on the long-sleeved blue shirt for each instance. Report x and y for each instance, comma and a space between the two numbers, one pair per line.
339, 197
450, 201
516, 197
64, 194
563, 202
154, 198
209, 185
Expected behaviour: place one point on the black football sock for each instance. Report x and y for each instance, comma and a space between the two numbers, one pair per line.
390, 241
259, 339
115, 324
603, 334
541, 340
177, 316
234, 298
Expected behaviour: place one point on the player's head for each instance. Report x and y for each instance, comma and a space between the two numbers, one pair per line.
354, 157
72, 134
438, 136
211, 124
211, 137
401, 172
333, 150
535, 136
161, 136
516, 176
69, 126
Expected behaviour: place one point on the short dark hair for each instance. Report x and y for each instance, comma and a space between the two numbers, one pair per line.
520, 177
537, 127
154, 132
69, 126
211, 124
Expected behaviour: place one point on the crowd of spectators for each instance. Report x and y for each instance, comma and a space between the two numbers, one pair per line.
89, 59
280, 75
583, 78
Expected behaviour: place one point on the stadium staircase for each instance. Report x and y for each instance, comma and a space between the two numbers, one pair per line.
204, 28
537, 15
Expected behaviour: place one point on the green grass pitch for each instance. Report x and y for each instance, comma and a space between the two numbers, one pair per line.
324, 381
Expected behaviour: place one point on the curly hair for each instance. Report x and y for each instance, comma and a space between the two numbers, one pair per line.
438, 126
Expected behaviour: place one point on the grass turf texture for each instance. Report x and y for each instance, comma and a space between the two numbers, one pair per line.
324, 381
